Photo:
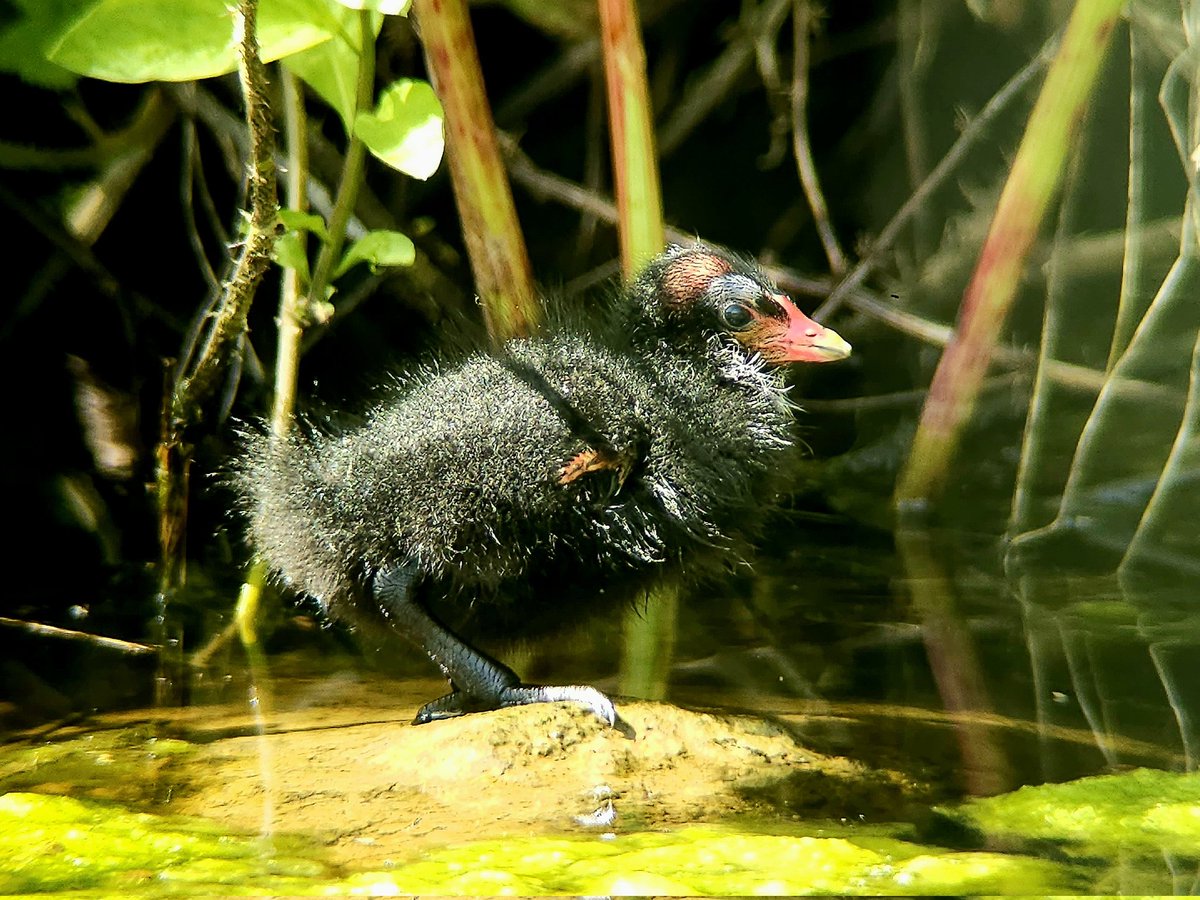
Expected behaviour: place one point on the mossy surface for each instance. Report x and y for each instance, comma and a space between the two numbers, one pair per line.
125, 764
50, 843
1137, 831
54, 843
1145, 811
706, 860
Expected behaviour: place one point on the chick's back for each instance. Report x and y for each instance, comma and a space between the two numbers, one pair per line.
458, 475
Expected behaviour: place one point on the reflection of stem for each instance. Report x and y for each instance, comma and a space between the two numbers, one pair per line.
1085, 695
1167, 506
1034, 618
1179, 706
952, 662
1142, 105
649, 645
259, 693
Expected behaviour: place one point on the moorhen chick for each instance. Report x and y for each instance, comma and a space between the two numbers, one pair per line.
525, 488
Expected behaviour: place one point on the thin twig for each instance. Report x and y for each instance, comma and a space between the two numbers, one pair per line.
545, 185
948, 164
424, 285
550, 82
801, 147
191, 174
718, 80
54, 631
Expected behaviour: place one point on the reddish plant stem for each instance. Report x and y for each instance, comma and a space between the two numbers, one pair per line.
495, 244
1031, 186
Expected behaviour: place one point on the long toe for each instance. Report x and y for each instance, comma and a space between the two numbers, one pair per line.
446, 707
458, 703
591, 699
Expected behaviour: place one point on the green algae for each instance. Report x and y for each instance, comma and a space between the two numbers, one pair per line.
120, 764
50, 843
1138, 830
1146, 811
707, 861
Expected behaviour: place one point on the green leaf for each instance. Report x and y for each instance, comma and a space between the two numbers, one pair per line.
289, 253
405, 131
330, 69
387, 7
25, 41
378, 248
182, 40
294, 220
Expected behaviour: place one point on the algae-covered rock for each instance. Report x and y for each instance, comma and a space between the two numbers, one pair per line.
50, 843
1144, 811
710, 861
123, 764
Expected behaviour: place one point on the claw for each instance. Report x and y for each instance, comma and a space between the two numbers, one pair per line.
457, 703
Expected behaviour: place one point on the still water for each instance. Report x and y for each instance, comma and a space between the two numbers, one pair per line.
838, 718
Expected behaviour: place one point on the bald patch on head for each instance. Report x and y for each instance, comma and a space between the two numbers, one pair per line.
689, 276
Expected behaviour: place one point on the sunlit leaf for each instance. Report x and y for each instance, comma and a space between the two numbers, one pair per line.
379, 248
330, 69
405, 131
182, 40
294, 220
387, 7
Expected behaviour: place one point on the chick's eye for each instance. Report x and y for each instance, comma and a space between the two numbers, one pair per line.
736, 315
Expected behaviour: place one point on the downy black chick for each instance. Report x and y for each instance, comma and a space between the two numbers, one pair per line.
533, 486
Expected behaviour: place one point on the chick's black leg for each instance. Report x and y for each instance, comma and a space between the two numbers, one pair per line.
480, 683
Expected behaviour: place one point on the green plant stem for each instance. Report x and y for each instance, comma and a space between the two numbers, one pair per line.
1030, 188
493, 237
649, 639
631, 127
293, 313
182, 408
352, 170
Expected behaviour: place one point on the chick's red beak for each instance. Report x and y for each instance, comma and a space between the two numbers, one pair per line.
798, 338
